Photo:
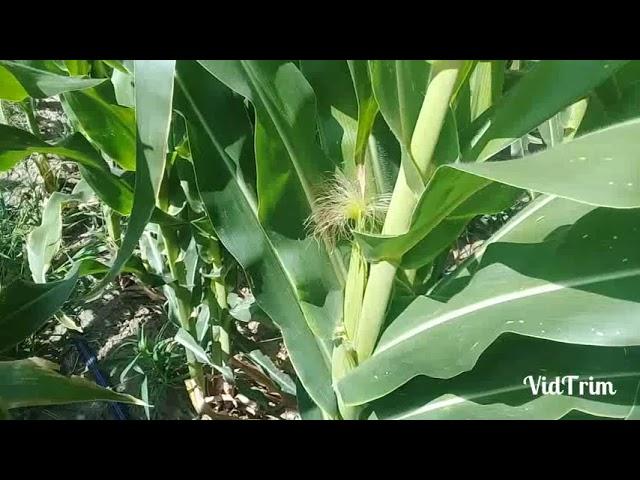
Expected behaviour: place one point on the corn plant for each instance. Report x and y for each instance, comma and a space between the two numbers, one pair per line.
340, 187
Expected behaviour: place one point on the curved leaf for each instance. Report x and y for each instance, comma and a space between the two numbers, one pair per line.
559, 289
154, 94
549, 87
26, 306
34, 382
285, 128
18, 81
111, 127
367, 106
496, 390
598, 169
292, 282
43, 242
399, 87
17, 144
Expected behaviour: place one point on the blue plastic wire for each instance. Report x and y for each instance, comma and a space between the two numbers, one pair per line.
119, 409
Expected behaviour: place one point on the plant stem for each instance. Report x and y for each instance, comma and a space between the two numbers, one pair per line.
182, 296
219, 290
43, 165
403, 200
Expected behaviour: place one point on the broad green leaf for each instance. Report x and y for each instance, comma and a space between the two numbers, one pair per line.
337, 107
35, 382
367, 106
559, 288
282, 379
18, 81
124, 88
495, 388
492, 199
307, 408
532, 224
285, 128
338, 124
486, 84
292, 282
451, 196
17, 144
154, 94
43, 242
10, 88
51, 66
117, 65
78, 67
399, 87
598, 169
26, 306
616, 100
110, 127
549, 87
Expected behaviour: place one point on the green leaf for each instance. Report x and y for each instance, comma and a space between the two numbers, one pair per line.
123, 87
17, 144
450, 200
26, 306
292, 282
597, 169
78, 67
92, 266
43, 242
117, 65
35, 382
307, 408
492, 199
144, 393
551, 86
154, 94
18, 81
110, 127
559, 289
495, 389
532, 224
185, 339
4, 411
337, 107
282, 379
486, 84
285, 128
338, 123
616, 100
399, 87
367, 106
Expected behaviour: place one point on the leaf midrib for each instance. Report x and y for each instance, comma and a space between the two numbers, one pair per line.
548, 287
509, 389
